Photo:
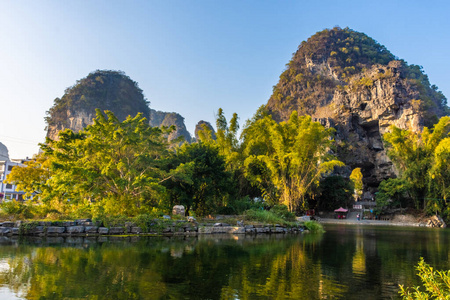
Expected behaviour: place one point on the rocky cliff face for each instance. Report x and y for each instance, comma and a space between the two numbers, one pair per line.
167, 119
105, 90
362, 113
201, 126
345, 80
75, 120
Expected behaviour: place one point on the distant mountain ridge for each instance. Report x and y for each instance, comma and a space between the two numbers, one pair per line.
346, 80
159, 118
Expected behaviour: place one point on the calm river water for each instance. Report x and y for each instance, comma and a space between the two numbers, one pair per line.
346, 262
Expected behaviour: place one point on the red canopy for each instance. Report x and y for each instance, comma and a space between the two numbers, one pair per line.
340, 209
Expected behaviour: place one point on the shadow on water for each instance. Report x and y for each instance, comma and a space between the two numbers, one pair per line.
346, 262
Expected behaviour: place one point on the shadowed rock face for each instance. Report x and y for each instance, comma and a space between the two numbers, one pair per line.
167, 119
105, 90
356, 95
362, 114
201, 126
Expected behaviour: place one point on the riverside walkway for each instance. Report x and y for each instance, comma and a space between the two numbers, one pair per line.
354, 221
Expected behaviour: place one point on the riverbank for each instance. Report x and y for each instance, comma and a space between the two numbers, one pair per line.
399, 220
371, 222
396, 217
86, 227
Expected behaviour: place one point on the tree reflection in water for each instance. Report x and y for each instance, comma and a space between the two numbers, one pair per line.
339, 265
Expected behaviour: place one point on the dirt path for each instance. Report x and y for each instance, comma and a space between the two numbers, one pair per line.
354, 221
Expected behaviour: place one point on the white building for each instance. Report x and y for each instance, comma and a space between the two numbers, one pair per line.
8, 191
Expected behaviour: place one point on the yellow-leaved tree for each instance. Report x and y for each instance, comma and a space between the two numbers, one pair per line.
287, 160
356, 178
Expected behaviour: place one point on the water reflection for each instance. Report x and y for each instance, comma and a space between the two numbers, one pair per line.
344, 263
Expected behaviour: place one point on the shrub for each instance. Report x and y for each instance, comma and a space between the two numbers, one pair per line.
436, 284
265, 216
144, 221
115, 221
46, 212
283, 212
313, 226
17, 210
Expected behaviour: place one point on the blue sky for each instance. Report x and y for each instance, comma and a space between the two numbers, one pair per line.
191, 57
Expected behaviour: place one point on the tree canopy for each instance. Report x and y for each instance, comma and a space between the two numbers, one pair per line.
115, 167
288, 158
422, 159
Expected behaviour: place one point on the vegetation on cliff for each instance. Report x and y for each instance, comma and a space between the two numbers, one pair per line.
113, 91
104, 90
329, 60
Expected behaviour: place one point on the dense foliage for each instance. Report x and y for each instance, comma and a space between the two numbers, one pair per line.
110, 167
422, 159
436, 284
335, 192
207, 185
115, 167
287, 160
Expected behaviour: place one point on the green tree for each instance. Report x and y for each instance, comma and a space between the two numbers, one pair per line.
206, 185
356, 178
419, 156
393, 192
289, 157
436, 284
227, 141
230, 147
335, 191
115, 165
32, 177
227, 137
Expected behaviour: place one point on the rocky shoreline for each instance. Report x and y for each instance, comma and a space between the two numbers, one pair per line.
87, 227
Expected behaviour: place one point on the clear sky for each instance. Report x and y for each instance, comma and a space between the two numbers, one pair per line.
191, 57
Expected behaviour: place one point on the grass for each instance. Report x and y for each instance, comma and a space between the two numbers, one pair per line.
313, 226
